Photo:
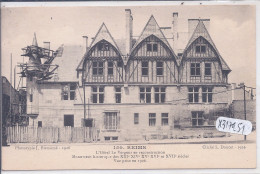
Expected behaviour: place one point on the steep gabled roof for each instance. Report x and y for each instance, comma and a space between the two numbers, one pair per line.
201, 31
102, 34
152, 28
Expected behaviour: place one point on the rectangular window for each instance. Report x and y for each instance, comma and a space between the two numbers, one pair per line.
152, 119
110, 68
145, 67
69, 120
197, 118
159, 68
155, 47
207, 94
118, 94
193, 94
159, 94
207, 69
145, 95
136, 118
110, 120
149, 47
165, 120
152, 47
31, 97
72, 91
69, 91
195, 69
107, 138
200, 49
39, 123
97, 94
102, 46
97, 68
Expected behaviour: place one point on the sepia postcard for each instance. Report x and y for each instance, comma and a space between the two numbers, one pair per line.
128, 87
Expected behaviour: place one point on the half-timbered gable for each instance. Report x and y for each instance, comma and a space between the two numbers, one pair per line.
201, 61
103, 62
152, 60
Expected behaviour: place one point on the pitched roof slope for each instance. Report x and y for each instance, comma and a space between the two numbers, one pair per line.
201, 30
68, 63
152, 28
102, 34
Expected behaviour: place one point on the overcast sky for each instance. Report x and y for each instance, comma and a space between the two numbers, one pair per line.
232, 29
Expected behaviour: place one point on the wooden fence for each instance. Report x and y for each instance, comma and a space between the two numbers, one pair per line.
25, 134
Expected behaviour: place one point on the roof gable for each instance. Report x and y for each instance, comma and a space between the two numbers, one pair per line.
201, 31
102, 34
152, 28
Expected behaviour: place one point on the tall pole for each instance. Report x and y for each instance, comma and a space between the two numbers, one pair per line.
11, 69
244, 105
84, 93
14, 76
88, 108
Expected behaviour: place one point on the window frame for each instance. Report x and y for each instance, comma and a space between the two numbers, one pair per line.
159, 68
200, 50
145, 68
136, 118
69, 92
152, 119
97, 68
113, 120
145, 93
207, 94
118, 93
208, 69
98, 94
197, 115
194, 94
164, 117
103, 46
110, 69
160, 93
195, 67
153, 47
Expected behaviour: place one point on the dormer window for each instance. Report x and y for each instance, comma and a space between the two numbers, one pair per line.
103, 46
152, 47
200, 49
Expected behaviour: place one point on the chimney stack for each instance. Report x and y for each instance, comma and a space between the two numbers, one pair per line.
129, 30
175, 31
86, 42
46, 45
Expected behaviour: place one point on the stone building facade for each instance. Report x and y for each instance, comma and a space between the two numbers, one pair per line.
141, 88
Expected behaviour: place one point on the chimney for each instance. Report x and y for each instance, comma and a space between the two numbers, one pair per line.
46, 45
86, 42
192, 24
175, 31
129, 30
